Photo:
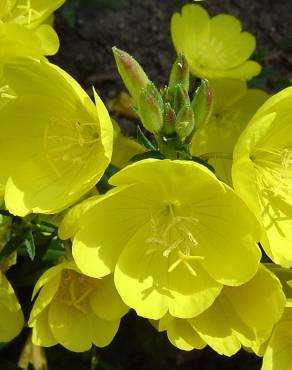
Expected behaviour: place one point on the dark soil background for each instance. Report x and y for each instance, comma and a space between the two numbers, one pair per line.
88, 29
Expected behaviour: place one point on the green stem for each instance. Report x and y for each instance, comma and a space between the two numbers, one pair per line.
216, 155
94, 358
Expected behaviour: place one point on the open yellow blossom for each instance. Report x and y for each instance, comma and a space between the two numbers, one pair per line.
75, 310
234, 106
214, 47
173, 233
262, 173
240, 316
56, 142
21, 31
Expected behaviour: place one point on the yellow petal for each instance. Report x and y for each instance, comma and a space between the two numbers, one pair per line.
11, 317
106, 302
70, 327
278, 354
183, 336
41, 331
143, 279
102, 331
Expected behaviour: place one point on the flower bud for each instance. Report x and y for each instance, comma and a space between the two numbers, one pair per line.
202, 103
185, 122
180, 73
131, 72
151, 108
181, 98
169, 120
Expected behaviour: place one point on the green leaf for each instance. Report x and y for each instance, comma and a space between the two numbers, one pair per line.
103, 185
142, 139
30, 245
11, 246
151, 154
203, 162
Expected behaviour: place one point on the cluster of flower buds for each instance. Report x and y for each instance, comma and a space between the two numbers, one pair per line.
170, 114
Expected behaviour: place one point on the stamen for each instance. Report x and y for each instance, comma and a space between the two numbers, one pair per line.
75, 289
4, 92
28, 11
273, 170
171, 234
68, 141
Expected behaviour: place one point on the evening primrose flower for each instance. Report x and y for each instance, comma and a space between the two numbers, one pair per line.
240, 316
21, 31
214, 47
56, 142
172, 233
233, 107
75, 310
262, 173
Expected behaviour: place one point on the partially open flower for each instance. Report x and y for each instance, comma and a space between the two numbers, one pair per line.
214, 47
56, 142
172, 232
262, 173
75, 310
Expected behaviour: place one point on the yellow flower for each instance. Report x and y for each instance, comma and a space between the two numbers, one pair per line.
214, 47
11, 317
75, 310
262, 173
175, 233
56, 142
234, 105
21, 31
240, 316
29, 13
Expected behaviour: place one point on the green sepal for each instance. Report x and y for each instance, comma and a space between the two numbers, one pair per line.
202, 104
150, 106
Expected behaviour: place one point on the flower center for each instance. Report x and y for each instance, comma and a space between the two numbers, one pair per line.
68, 142
274, 171
172, 235
75, 289
27, 13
